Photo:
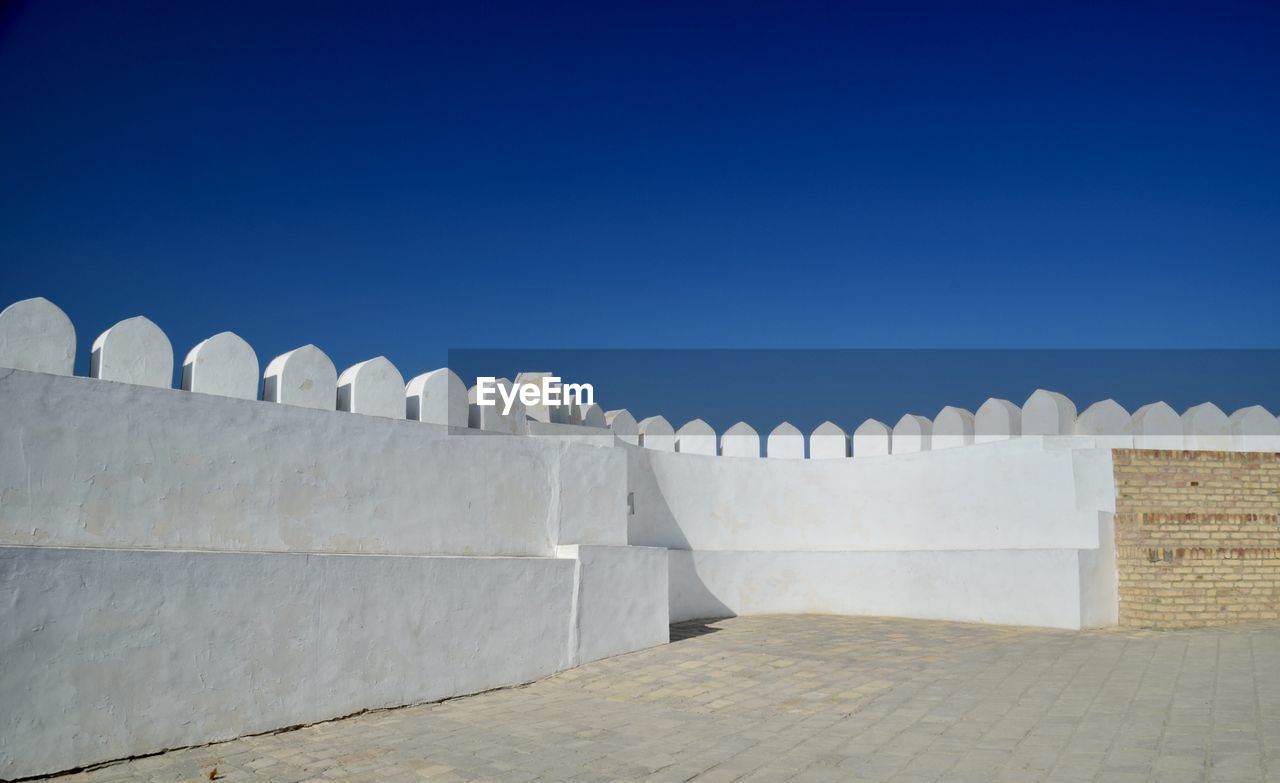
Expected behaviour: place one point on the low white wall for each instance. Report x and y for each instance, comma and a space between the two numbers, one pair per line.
621, 600
1014, 532
94, 463
110, 652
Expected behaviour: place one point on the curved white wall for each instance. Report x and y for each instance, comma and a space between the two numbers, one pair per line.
1007, 532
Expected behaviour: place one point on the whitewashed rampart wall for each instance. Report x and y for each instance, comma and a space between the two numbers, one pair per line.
281, 543
92, 463
188, 565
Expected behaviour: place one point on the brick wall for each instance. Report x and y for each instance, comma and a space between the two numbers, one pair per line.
1197, 537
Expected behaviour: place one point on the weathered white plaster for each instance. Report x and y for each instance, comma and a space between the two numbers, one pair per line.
1205, 427
872, 439
1254, 429
911, 434
113, 653
656, 433
516, 421
828, 441
1109, 424
572, 433
623, 425
224, 365
304, 377
36, 335
437, 397
133, 351
548, 414
997, 420
1048, 413
785, 442
589, 479
491, 418
484, 417
696, 437
952, 427
131, 466
1157, 426
373, 387
591, 415
620, 600
740, 440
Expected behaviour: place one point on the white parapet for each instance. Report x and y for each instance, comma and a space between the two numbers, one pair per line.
1254, 429
1048, 413
996, 420
438, 397
548, 414
1157, 426
373, 387
516, 421
590, 415
490, 417
304, 377
36, 335
872, 438
740, 440
133, 351
224, 365
278, 477
656, 433
912, 433
623, 426
952, 427
1108, 423
828, 441
785, 442
696, 437
1206, 428
116, 622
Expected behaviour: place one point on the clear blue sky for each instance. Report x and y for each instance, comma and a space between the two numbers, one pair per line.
406, 180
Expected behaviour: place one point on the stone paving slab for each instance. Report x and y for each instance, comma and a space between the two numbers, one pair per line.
818, 698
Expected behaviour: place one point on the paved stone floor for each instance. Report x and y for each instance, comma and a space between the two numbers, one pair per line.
817, 698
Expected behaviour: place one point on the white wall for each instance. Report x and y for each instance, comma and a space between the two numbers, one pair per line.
205, 503
1007, 532
94, 463
1020, 494
621, 600
182, 568
1099, 591
110, 653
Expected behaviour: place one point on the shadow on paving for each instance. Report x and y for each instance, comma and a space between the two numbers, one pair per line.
692, 629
